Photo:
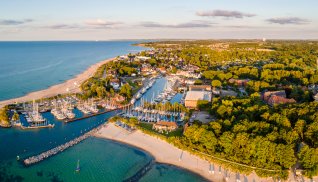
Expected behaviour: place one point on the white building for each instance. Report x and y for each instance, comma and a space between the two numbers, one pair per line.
193, 97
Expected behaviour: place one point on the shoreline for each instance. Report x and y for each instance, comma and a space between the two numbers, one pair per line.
165, 153
148, 153
61, 88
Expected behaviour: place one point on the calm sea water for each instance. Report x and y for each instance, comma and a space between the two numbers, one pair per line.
29, 66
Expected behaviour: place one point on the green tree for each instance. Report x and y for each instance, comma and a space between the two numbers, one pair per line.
309, 160
126, 91
216, 83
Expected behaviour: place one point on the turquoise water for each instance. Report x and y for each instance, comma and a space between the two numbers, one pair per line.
29, 66
167, 173
100, 160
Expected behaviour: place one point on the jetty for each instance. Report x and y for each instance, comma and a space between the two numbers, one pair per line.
37, 127
136, 177
44, 155
88, 116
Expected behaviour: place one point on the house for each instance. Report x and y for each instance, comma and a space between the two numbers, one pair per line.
239, 82
274, 100
276, 97
143, 58
151, 53
316, 97
188, 74
115, 83
120, 98
189, 81
193, 97
121, 58
266, 95
162, 70
162, 126
110, 73
200, 88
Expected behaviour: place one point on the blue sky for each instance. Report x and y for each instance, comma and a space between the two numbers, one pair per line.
154, 19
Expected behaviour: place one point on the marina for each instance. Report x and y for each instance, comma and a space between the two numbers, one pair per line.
158, 102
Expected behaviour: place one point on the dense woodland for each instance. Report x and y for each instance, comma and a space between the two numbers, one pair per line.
248, 131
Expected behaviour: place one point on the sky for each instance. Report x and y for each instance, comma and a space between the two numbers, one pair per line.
157, 19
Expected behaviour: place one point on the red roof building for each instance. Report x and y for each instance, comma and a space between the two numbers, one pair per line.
275, 100
268, 94
165, 126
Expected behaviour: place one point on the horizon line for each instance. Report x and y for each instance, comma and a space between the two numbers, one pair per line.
159, 39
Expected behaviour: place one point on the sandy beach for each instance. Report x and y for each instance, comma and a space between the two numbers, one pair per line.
164, 152
69, 86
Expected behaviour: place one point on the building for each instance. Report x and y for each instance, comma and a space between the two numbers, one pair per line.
115, 83
266, 96
200, 88
189, 81
162, 126
239, 82
193, 97
162, 70
143, 58
274, 100
276, 97
316, 97
122, 58
188, 74
120, 98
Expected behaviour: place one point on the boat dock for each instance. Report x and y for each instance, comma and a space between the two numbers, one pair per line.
37, 127
88, 116
44, 155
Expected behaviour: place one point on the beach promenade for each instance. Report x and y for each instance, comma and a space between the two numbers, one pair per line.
164, 152
69, 86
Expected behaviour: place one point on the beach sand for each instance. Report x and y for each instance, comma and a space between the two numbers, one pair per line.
69, 86
164, 152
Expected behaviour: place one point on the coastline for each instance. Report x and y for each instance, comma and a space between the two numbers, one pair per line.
166, 153
59, 88
148, 153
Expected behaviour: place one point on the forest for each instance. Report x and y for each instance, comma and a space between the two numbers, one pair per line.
247, 131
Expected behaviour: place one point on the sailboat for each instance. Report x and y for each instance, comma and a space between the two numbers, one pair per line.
78, 168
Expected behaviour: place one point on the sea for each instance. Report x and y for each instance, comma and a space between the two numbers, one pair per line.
32, 66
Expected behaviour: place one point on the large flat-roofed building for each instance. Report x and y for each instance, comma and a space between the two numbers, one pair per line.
193, 97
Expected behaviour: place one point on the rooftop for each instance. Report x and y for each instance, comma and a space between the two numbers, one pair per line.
198, 95
200, 87
166, 123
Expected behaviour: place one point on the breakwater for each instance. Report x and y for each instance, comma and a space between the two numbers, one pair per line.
44, 155
136, 177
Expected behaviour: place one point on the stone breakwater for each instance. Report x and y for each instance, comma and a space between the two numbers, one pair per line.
44, 155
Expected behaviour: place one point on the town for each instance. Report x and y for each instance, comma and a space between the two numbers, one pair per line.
219, 98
